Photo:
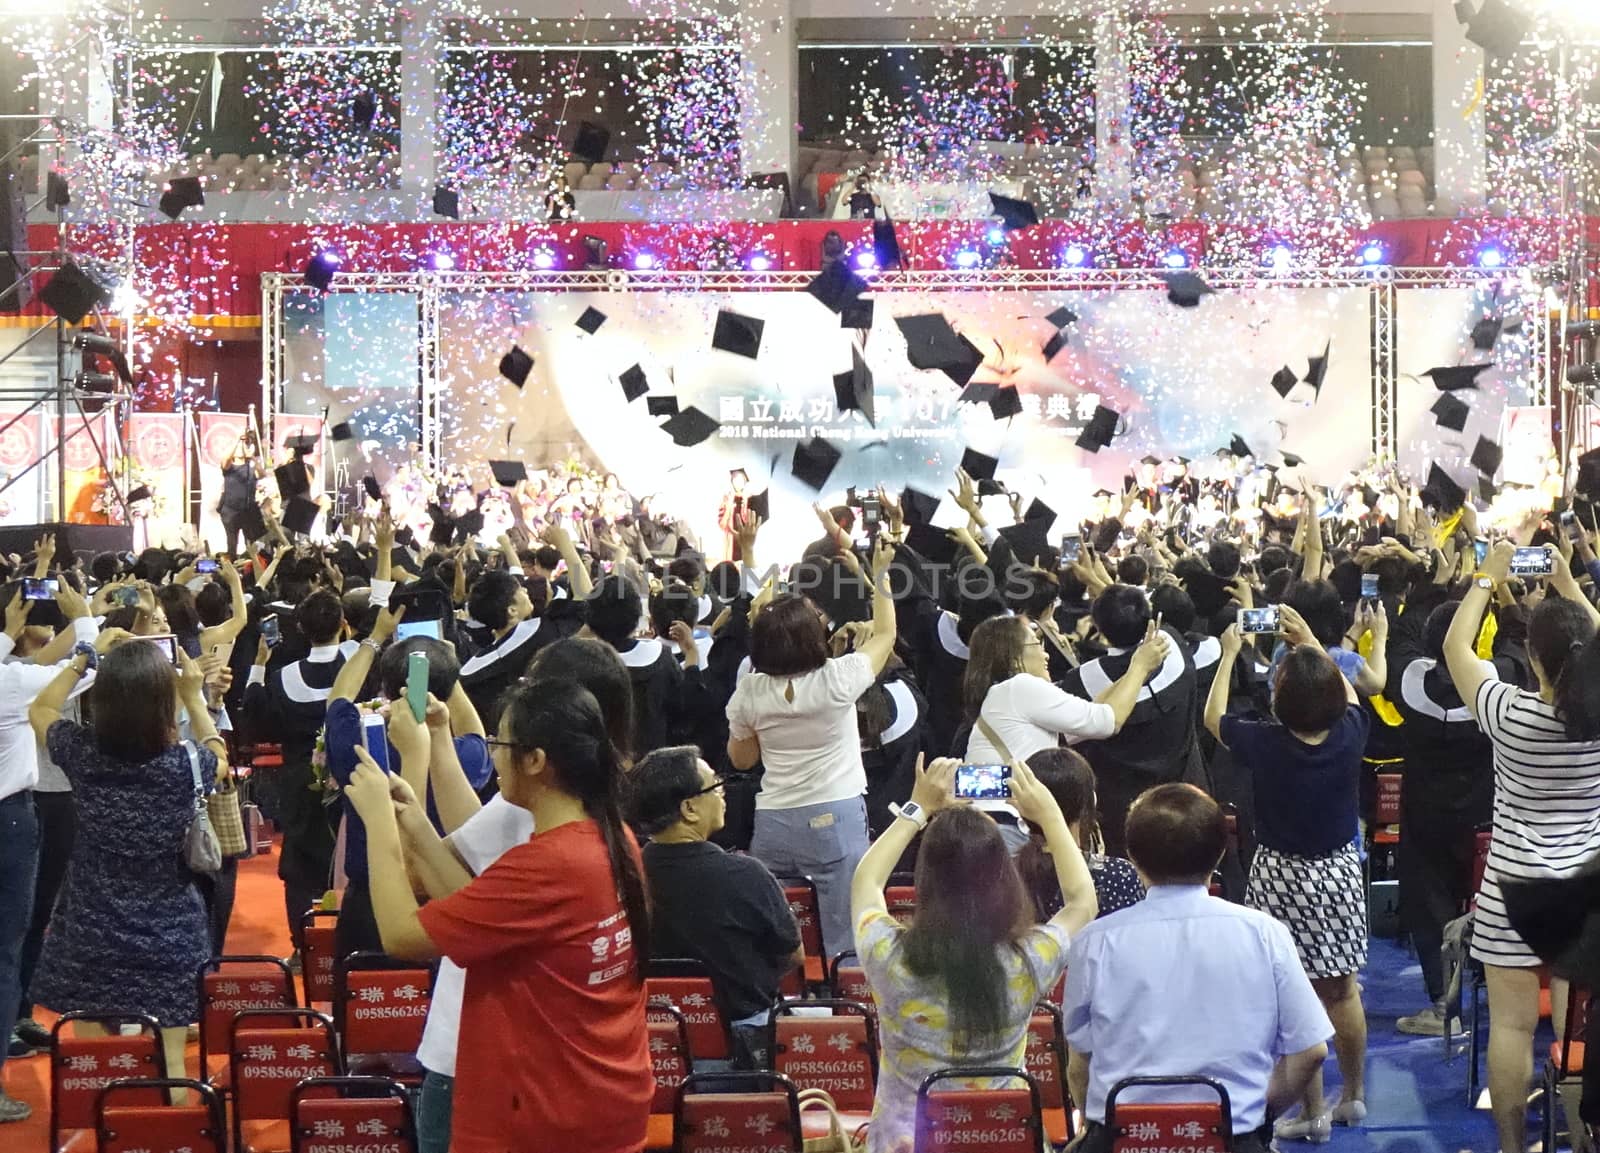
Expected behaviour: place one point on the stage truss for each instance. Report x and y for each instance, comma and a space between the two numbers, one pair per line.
1383, 285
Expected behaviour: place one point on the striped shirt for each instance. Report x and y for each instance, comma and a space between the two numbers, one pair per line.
1546, 809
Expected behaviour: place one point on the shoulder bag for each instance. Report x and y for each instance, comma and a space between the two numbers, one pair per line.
202, 852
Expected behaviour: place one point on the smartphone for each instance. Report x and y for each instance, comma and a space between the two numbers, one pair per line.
1480, 547
431, 629
1538, 561
206, 565
375, 739
1259, 621
985, 785
1570, 525
417, 684
40, 588
1071, 546
271, 632
128, 598
871, 511
1369, 586
167, 643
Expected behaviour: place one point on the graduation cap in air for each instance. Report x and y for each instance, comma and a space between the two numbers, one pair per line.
689, 427
1029, 541
591, 142
591, 320
1487, 489
516, 365
980, 467
1013, 213
1450, 412
1317, 369
1283, 381
932, 343
292, 478
814, 462
468, 525
932, 544
364, 109
1588, 482
1486, 456
1186, 288
738, 334
1006, 402
885, 246
1041, 512
301, 443
978, 392
661, 405
1061, 317
760, 504
1486, 332
1497, 27
181, 192
138, 494
1443, 490
1098, 432
836, 286
1238, 447
1454, 377
71, 294
852, 389
447, 202
320, 270
856, 314
1057, 341
342, 432
634, 384
917, 507
1290, 460
369, 485
508, 473
300, 513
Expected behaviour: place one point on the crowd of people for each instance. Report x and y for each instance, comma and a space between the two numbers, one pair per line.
621, 748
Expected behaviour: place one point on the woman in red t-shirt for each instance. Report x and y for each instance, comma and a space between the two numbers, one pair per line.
554, 1053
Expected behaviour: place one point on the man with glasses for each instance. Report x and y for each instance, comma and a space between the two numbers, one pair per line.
727, 912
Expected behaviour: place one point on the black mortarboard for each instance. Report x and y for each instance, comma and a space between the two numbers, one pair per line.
447, 202
1283, 381
1486, 456
634, 384
1098, 432
853, 389
979, 466
301, 443
917, 507
1013, 213
1238, 447
1444, 490
738, 334
1005, 403
591, 142
1039, 511
1150, 458
1454, 377
1588, 482
320, 270
1498, 28
978, 392
1487, 489
1486, 332
814, 462
71, 294
690, 427
932, 544
591, 320
468, 525
300, 513
662, 405
1451, 413
885, 246
932, 343
507, 473
1029, 540
1290, 460
181, 192
442, 530
1061, 317
1186, 288
342, 431
1055, 344
856, 314
836, 286
140, 493
292, 478
364, 109
1317, 369
370, 484
516, 365
1206, 590
761, 504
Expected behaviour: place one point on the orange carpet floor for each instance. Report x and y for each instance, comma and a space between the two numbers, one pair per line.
257, 927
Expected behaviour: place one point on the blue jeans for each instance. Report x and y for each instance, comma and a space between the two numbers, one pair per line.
19, 867
433, 1112
824, 842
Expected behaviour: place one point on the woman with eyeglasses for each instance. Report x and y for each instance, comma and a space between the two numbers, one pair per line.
552, 935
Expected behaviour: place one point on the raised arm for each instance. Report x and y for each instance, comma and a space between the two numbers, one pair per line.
375, 795
453, 794
1460, 643
1146, 659
353, 673
46, 707
228, 631
880, 647
577, 572
1222, 682
934, 790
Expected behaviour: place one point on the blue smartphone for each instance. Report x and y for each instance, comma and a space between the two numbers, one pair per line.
375, 739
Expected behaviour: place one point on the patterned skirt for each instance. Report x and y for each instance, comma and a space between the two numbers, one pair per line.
1321, 900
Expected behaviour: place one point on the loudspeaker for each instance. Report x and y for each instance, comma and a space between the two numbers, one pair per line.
16, 286
81, 540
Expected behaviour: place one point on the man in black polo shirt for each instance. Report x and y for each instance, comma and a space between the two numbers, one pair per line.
725, 911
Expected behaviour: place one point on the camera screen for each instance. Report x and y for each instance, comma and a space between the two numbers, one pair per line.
1532, 562
1369, 585
36, 589
1262, 620
984, 782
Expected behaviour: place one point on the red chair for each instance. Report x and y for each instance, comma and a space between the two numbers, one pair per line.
1046, 1062
848, 979
229, 985
81, 1067
1151, 1127
838, 1054
801, 893
952, 1114
756, 1113
132, 1116
270, 1052
901, 899
381, 1005
320, 930
685, 984
669, 1058
1565, 1065
351, 1115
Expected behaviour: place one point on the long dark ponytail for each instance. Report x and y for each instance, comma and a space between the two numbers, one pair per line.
565, 720
1562, 638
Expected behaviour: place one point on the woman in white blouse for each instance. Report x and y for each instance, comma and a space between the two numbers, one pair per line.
1008, 694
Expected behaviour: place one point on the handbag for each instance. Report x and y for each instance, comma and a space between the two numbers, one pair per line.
837, 1140
201, 850
227, 819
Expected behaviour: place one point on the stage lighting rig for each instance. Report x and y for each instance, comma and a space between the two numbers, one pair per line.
1582, 330
1491, 256
94, 343
1372, 253
1175, 258
1074, 256
644, 261
544, 259
1584, 375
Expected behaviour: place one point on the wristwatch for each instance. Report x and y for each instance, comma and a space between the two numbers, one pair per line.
1484, 582
910, 811
87, 651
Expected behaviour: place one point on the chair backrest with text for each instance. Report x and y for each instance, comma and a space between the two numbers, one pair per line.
1200, 1121
319, 957
229, 985
685, 984
380, 1006
955, 1113
82, 1066
838, 1053
351, 1115
133, 1116
738, 1113
270, 1052
801, 893
669, 1054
